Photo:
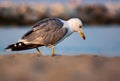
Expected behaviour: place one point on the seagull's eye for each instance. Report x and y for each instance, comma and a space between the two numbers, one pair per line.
80, 26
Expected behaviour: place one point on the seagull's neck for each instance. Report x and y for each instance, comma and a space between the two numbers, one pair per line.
67, 25
70, 26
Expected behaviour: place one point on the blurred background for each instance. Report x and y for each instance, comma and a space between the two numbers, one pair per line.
101, 24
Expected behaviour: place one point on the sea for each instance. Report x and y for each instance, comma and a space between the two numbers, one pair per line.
100, 40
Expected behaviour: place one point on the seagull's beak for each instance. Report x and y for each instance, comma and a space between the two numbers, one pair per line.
81, 33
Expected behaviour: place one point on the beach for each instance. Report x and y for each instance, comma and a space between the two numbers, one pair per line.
83, 67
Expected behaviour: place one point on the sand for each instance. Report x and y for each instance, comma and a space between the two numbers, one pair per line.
29, 67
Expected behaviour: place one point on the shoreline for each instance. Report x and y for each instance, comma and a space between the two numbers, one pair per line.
65, 54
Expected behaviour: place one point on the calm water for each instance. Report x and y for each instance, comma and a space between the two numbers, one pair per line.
99, 40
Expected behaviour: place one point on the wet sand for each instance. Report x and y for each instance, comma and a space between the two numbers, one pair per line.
29, 67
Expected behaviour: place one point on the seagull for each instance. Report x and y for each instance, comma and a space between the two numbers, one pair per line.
47, 32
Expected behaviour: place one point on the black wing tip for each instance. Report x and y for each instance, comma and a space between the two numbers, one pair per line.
20, 46
13, 47
9, 47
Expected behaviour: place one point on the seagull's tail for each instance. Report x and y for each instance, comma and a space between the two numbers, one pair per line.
20, 46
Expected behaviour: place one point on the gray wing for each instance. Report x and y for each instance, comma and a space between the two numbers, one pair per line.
45, 32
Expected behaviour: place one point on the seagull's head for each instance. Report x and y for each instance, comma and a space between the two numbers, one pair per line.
75, 25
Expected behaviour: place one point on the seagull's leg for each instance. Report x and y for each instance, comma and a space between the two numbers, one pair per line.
39, 52
53, 51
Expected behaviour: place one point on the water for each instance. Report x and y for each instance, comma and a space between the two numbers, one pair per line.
102, 40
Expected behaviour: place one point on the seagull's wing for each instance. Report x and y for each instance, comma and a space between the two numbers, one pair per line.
45, 32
